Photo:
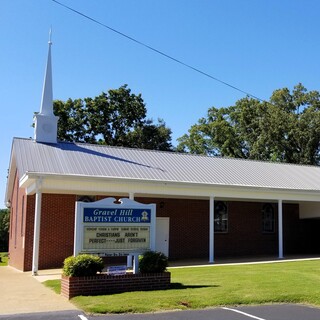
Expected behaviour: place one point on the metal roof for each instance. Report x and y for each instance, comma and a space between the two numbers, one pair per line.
116, 162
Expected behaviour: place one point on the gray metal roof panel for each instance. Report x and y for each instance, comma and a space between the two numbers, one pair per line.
105, 161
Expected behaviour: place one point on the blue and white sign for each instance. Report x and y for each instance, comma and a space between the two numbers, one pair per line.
115, 215
111, 228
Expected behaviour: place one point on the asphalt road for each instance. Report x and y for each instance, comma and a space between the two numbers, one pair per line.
56, 315
266, 312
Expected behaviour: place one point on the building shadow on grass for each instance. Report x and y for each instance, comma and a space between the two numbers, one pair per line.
179, 286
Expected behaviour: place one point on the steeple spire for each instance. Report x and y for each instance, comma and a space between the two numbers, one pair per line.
46, 123
46, 107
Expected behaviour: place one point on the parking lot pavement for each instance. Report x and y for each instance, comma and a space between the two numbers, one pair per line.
265, 312
284, 312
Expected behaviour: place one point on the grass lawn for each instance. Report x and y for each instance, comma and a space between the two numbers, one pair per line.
3, 259
201, 287
55, 285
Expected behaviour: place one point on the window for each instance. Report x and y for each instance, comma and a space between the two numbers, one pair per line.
268, 221
220, 217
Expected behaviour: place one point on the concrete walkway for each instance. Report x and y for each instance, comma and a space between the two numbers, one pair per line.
20, 292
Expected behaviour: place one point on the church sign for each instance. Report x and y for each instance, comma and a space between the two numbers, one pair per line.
113, 229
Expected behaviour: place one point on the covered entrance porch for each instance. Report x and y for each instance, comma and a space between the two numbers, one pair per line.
207, 222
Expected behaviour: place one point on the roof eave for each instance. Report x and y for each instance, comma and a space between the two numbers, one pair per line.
11, 177
29, 179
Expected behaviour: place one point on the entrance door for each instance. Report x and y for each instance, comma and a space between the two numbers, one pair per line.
162, 235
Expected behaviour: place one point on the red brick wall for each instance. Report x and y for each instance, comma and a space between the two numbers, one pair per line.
291, 226
245, 235
57, 229
107, 284
189, 226
17, 227
30, 209
189, 230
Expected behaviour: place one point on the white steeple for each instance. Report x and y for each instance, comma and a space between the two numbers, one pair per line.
46, 123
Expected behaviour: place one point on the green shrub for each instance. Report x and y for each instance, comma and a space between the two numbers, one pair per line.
82, 265
153, 262
3, 258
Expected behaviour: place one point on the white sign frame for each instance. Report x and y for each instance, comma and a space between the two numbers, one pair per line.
110, 204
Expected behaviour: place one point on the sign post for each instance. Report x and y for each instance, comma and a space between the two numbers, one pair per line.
107, 228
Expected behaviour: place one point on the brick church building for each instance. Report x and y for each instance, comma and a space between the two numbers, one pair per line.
206, 207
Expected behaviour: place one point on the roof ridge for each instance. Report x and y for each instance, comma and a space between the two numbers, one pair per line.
194, 155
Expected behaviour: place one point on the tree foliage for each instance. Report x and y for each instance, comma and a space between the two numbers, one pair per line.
285, 129
116, 118
4, 229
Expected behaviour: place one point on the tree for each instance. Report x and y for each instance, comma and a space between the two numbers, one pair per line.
286, 129
116, 118
151, 136
4, 229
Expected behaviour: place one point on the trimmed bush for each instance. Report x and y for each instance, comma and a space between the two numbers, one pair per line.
82, 265
153, 262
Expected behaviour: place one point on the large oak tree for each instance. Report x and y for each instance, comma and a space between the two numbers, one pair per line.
116, 118
284, 129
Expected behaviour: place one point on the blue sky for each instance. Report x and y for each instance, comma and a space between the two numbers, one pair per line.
255, 45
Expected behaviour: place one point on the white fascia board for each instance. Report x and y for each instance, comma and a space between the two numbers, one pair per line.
32, 188
11, 176
25, 180
52, 183
28, 182
10, 183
